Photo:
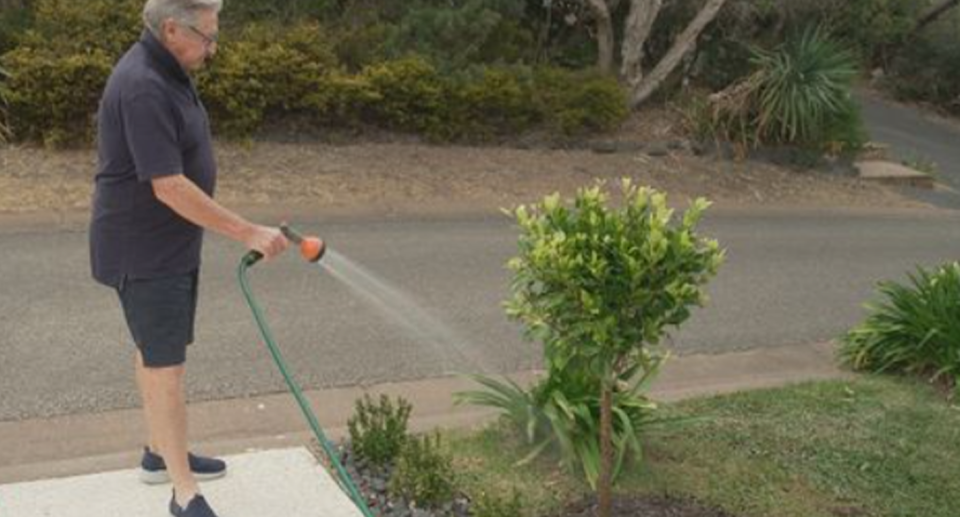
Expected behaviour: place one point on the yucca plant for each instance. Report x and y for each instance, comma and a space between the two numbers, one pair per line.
798, 94
915, 329
802, 87
563, 411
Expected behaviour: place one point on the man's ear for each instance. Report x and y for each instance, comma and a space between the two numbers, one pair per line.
167, 29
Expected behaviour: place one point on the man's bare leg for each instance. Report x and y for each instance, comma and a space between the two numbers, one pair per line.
165, 408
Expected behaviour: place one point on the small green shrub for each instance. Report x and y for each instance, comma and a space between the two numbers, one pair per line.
468, 32
61, 64
510, 42
378, 431
497, 101
69, 26
494, 505
915, 329
920, 163
872, 27
410, 93
348, 99
53, 98
599, 285
14, 22
267, 70
928, 68
845, 132
424, 473
238, 12
575, 103
358, 47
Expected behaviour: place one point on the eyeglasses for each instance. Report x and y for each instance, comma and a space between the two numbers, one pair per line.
208, 41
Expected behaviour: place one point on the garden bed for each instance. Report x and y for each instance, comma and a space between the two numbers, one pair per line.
869, 446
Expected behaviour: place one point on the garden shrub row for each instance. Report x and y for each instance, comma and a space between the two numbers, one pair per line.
265, 72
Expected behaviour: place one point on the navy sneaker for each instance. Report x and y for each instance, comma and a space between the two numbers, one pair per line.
197, 507
153, 470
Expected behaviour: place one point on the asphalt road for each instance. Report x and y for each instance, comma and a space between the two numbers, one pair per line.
790, 279
913, 136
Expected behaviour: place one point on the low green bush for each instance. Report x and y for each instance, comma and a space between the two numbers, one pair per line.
424, 473
495, 101
53, 98
378, 430
239, 12
69, 26
464, 33
928, 69
577, 102
495, 505
914, 329
411, 95
599, 285
267, 70
362, 46
348, 100
14, 22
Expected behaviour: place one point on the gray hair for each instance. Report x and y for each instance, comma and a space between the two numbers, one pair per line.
155, 12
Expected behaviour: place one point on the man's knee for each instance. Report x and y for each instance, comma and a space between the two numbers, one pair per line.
164, 373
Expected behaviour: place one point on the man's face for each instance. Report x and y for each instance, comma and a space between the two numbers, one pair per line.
192, 45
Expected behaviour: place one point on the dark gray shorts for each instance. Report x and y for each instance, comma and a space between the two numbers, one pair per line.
160, 313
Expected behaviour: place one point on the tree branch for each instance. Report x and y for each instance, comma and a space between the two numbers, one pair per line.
637, 29
683, 44
605, 39
934, 14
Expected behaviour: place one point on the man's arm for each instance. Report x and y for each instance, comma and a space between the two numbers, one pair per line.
194, 205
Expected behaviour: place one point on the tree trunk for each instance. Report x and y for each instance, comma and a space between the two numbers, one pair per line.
934, 14
604, 35
605, 483
684, 43
636, 31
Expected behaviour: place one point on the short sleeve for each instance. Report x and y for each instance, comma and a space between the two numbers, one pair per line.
150, 129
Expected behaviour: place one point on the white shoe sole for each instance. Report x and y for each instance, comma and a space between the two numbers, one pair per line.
161, 477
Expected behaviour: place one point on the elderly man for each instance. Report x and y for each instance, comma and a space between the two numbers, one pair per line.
152, 202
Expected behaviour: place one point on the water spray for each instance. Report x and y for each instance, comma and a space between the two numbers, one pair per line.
312, 249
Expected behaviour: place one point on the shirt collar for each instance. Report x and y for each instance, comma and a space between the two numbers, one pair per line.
164, 57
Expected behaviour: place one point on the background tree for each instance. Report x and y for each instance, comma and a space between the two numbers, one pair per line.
638, 26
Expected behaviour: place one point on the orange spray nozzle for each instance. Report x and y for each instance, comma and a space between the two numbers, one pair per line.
311, 248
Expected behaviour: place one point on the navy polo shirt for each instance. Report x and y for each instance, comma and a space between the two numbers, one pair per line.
151, 123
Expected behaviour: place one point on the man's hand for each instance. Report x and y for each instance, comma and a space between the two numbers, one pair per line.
270, 242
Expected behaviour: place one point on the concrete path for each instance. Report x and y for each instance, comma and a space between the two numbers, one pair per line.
286, 483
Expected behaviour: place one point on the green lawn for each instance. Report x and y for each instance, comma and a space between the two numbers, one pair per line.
871, 446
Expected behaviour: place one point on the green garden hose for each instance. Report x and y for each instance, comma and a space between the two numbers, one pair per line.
346, 483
